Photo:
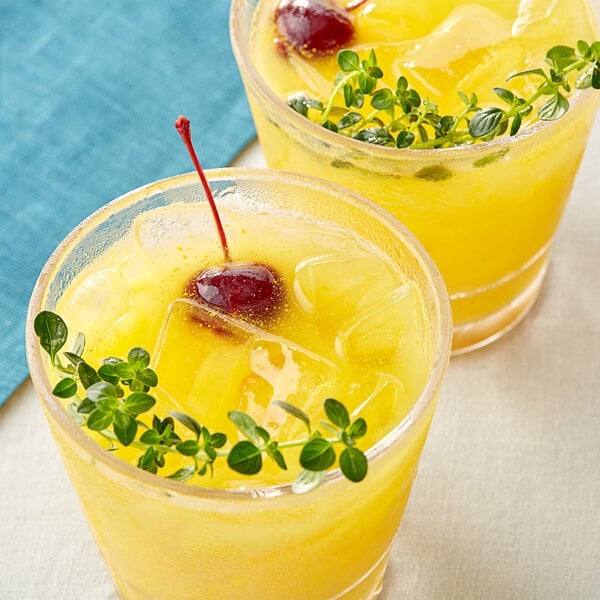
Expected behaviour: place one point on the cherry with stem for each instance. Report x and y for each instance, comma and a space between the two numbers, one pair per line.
314, 27
244, 289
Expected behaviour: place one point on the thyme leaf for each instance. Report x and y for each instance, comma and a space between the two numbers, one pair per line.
402, 118
111, 398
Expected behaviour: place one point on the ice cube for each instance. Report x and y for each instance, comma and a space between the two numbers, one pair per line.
307, 230
435, 62
316, 83
542, 22
288, 372
210, 363
381, 399
93, 291
134, 269
168, 225
530, 12
501, 60
335, 286
387, 332
467, 28
91, 302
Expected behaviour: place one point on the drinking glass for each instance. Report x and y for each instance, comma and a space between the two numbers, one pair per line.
486, 213
164, 539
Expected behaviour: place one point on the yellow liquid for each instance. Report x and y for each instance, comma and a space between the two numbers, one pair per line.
355, 326
351, 327
440, 47
486, 214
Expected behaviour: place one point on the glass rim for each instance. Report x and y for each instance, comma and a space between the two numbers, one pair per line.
36, 357
247, 69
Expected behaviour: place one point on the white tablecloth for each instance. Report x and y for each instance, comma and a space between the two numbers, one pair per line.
507, 501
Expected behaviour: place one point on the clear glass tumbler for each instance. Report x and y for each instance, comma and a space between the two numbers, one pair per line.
164, 539
487, 213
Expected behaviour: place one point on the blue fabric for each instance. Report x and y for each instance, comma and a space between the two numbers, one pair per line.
89, 92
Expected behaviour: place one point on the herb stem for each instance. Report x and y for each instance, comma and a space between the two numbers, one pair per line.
361, 78
201, 454
365, 121
109, 400
463, 115
421, 115
529, 102
336, 90
576, 66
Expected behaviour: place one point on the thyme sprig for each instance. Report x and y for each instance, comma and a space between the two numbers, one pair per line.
110, 399
400, 117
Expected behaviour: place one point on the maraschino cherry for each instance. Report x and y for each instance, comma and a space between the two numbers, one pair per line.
314, 27
250, 291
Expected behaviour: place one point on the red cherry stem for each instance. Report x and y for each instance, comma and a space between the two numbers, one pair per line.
183, 127
354, 4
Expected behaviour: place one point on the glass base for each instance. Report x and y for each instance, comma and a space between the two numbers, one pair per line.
479, 333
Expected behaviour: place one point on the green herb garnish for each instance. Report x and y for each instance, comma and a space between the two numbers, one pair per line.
402, 118
110, 399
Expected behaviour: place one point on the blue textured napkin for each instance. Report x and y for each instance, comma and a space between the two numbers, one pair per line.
89, 92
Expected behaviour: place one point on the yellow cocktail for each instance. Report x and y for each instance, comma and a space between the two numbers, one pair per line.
487, 213
364, 320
